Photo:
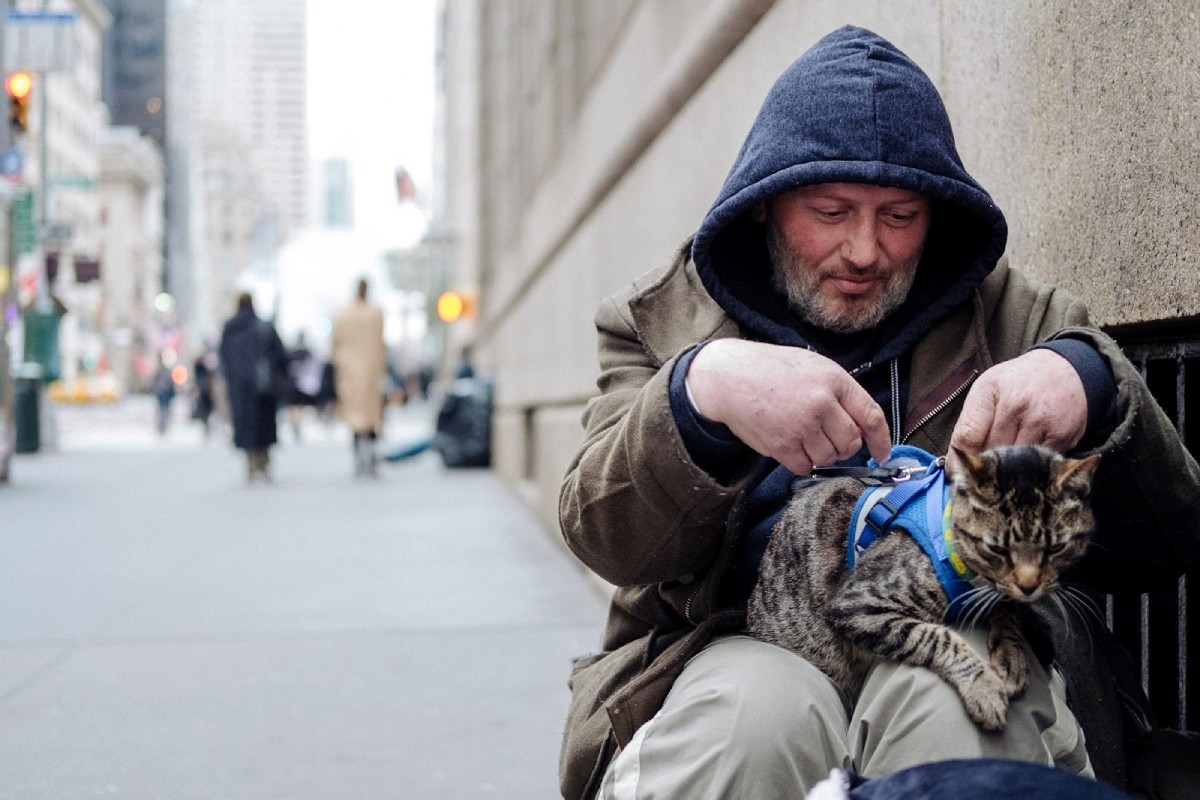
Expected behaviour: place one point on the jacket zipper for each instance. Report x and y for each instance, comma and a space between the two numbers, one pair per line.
940, 407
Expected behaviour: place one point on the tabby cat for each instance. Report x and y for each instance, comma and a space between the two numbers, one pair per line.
1017, 516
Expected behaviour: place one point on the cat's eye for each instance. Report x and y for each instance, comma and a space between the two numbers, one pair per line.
998, 549
1056, 548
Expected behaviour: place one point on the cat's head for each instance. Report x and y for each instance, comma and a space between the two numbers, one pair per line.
1020, 516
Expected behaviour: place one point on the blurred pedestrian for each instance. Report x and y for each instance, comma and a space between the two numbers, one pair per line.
254, 365
203, 378
359, 364
304, 383
327, 394
466, 364
162, 386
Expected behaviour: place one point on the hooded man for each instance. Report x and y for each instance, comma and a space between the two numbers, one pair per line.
845, 293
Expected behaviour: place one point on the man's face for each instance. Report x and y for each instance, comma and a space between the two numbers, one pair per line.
846, 254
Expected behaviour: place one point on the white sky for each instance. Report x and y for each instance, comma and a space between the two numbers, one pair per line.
370, 95
370, 101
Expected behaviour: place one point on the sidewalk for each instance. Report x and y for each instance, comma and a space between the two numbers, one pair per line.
167, 631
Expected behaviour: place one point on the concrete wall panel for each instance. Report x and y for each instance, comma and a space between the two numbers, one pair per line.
557, 436
1082, 120
508, 444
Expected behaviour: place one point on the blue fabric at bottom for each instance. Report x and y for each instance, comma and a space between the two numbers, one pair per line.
982, 779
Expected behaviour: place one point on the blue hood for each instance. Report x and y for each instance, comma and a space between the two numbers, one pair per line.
852, 109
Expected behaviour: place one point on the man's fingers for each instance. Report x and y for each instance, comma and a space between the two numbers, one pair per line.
870, 419
974, 427
797, 461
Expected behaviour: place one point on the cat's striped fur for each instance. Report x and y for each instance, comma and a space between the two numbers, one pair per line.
1020, 517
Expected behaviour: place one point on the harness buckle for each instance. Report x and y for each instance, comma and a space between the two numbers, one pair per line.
908, 473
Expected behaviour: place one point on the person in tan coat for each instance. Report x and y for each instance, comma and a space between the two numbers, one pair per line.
359, 363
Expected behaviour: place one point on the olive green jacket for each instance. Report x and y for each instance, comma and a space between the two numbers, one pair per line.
636, 509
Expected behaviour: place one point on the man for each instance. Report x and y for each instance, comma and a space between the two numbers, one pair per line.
845, 293
359, 359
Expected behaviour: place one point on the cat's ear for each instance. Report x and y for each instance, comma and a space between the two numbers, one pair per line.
975, 466
1079, 471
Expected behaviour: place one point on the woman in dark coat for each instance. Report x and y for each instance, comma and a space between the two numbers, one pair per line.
254, 364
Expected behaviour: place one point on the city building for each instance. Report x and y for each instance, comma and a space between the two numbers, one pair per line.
131, 195
237, 152
336, 194
134, 84
134, 184
61, 155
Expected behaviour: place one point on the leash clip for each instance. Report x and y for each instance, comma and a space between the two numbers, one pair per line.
909, 473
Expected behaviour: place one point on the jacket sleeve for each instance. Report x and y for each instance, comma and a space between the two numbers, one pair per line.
633, 505
1146, 496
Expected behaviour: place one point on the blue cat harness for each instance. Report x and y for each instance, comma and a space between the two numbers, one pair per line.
914, 497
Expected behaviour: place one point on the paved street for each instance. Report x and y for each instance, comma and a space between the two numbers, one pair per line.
167, 631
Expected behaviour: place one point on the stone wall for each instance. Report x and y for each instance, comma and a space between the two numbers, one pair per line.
597, 132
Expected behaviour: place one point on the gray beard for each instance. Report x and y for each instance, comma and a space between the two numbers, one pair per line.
801, 286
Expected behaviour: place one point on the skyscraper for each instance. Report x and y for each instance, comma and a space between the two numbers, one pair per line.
337, 194
242, 68
134, 82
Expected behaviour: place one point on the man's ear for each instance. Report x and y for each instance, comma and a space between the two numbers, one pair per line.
759, 212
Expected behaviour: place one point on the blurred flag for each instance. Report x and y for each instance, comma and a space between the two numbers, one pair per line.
405, 188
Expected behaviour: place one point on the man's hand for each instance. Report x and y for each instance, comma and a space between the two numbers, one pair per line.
795, 406
1036, 398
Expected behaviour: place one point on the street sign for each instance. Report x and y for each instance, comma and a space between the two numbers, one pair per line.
73, 181
24, 229
39, 41
10, 164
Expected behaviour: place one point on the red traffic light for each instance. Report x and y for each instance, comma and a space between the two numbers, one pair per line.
18, 85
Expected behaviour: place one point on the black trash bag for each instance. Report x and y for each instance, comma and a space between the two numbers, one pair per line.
463, 431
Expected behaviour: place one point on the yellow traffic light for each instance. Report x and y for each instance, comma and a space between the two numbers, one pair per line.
19, 85
453, 306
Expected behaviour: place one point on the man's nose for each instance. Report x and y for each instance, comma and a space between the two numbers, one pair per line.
861, 247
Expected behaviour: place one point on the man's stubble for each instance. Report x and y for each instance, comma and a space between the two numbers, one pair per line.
800, 283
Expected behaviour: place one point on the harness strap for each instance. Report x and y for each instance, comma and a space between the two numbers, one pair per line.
921, 507
884, 513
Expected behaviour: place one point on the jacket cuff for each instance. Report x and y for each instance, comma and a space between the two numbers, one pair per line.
1099, 386
712, 445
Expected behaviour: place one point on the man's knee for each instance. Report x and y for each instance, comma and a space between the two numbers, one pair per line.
907, 715
744, 719
755, 704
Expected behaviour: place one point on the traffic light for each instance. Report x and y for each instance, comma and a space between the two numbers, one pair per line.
18, 85
453, 306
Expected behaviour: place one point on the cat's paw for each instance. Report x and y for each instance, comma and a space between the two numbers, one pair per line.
985, 699
1012, 665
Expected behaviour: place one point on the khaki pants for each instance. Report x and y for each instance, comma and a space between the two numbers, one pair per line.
747, 719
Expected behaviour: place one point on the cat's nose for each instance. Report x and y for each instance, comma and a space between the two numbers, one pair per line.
1027, 577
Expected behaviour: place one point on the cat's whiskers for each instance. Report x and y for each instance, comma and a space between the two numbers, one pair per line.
1084, 607
1082, 602
1095, 545
977, 604
1069, 606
